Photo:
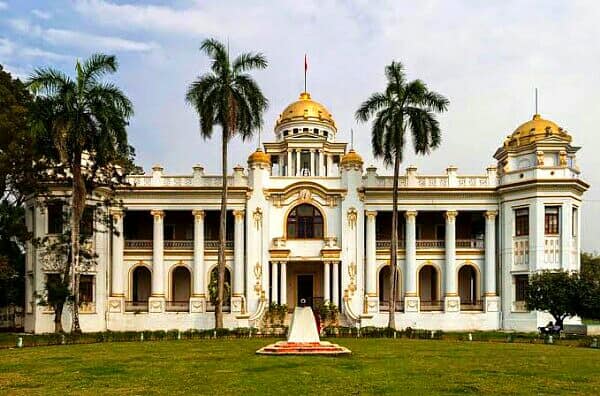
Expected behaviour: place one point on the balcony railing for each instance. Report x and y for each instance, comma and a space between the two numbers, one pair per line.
177, 306
470, 243
146, 244
136, 306
471, 306
182, 244
433, 244
431, 305
384, 306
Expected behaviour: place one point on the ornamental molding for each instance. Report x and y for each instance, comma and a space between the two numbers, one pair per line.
352, 216
305, 191
257, 216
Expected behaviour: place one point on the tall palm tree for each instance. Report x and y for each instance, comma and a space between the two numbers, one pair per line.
229, 97
402, 107
81, 117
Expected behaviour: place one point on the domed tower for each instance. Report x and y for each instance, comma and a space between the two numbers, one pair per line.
305, 141
540, 196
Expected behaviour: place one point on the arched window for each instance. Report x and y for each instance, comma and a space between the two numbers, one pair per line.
385, 288
305, 221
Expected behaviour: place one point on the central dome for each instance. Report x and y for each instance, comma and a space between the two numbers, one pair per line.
305, 109
535, 130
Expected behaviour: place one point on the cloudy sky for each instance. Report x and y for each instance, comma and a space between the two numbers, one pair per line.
486, 57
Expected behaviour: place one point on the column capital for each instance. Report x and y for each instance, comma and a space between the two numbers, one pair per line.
491, 214
312, 150
157, 213
238, 214
410, 214
450, 214
117, 213
198, 214
370, 213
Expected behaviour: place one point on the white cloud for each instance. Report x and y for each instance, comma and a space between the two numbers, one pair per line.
82, 40
41, 14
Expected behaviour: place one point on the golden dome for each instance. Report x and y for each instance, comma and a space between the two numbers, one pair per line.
259, 156
535, 130
351, 158
306, 109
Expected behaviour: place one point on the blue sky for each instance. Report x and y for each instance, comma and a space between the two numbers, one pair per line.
486, 57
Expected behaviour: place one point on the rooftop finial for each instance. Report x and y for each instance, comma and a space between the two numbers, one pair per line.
536, 101
305, 70
351, 139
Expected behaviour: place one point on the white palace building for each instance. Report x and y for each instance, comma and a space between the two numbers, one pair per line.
307, 220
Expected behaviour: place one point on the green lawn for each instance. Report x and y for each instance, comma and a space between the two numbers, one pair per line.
218, 367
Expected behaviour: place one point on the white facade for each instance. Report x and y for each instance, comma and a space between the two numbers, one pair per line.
308, 223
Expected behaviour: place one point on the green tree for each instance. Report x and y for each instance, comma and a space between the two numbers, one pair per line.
556, 292
403, 107
227, 96
19, 177
81, 123
589, 287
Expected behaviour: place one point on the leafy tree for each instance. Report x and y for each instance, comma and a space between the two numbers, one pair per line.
403, 107
81, 124
556, 292
589, 287
19, 177
229, 97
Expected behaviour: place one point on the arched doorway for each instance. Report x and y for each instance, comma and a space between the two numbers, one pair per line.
212, 290
304, 222
384, 290
141, 287
180, 290
467, 287
429, 289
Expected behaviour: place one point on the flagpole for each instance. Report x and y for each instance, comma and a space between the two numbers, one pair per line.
305, 68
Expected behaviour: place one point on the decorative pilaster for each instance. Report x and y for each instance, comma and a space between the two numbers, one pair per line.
238, 261
117, 254
321, 163
198, 299
313, 171
156, 300
298, 165
411, 299
371, 270
566, 236
289, 164
452, 300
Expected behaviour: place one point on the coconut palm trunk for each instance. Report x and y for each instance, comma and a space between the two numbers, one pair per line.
394, 243
222, 233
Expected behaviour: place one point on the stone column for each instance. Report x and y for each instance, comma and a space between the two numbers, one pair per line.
452, 300
492, 302
117, 296
157, 299
283, 294
566, 236
335, 290
326, 281
198, 299
371, 263
274, 281
298, 163
313, 170
411, 299
289, 163
321, 163
238, 262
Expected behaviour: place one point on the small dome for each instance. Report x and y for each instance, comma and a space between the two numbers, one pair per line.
259, 156
351, 158
534, 130
305, 109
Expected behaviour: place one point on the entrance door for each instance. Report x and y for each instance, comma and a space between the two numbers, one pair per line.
305, 291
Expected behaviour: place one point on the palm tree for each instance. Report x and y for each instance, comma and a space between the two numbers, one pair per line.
228, 97
81, 118
403, 106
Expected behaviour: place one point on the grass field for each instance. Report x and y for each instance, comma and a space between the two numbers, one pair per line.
230, 367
